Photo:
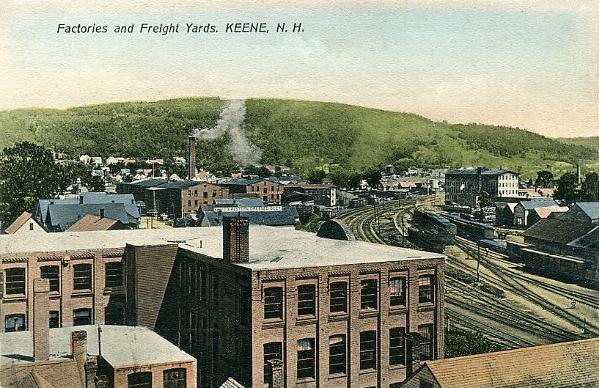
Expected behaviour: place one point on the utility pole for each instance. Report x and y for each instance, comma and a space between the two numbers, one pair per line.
478, 261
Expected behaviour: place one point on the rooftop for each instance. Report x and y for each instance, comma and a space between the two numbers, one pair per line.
270, 247
484, 171
564, 364
20, 221
92, 222
591, 209
122, 346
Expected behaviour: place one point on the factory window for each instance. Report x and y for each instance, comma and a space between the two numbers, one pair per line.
113, 276
15, 281
205, 194
425, 342
338, 292
140, 380
82, 277
397, 346
305, 358
265, 191
306, 299
368, 350
189, 202
195, 202
397, 291
54, 319
50, 272
426, 289
273, 303
31, 226
272, 351
82, 317
337, 354
368, 299
175, 378
14, 322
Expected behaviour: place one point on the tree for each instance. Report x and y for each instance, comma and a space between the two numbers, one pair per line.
566, 187
372, 177
27, 173
465, 342
544, 179
484, 199
589, 190
93, 183
316, 176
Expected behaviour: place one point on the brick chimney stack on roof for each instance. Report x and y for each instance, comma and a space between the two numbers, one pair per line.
236, 239
41, 316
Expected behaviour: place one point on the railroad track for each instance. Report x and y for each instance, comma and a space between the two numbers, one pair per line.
519, 288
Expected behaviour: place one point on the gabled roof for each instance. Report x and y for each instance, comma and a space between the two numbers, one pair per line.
92, 222
545, 212
65, 215
91, 198
591, 209
566, 364
18, 223
557, 230
231, 383
535, 203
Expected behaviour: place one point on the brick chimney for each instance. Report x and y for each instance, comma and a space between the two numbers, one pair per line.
278, 379
79, 351
236, 239
41, 318
191, 157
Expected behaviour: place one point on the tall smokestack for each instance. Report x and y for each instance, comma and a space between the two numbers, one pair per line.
236, 239
578, 177
191, 158
41, 317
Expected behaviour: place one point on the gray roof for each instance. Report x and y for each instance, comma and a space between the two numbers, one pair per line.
484, 171
122, 346
240, 202
65, 215
89, 198
168, 184
591, 209
286, 216
270, 247
536, 203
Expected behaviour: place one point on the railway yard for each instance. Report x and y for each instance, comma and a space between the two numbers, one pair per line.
508, 305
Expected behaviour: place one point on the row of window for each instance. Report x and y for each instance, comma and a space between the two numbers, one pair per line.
338, 296
171, 378
15, 278
338, 352
113, 315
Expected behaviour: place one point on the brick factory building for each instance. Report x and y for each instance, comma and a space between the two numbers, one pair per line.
333, 313
322, 194
268, 190
286, 308
177, 199
90, 356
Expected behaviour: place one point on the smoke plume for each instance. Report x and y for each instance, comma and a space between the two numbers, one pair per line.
231, 120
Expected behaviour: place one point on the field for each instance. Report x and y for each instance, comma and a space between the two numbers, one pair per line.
302, 134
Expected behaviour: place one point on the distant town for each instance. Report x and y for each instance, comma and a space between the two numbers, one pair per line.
146, 272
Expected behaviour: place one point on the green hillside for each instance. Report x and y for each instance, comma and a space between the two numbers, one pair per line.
302, 134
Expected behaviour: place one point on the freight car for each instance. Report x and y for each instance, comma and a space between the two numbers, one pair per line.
494, 245
561, 267
472, 230
431, 231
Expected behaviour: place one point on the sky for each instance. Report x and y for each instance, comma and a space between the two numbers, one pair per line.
464, 61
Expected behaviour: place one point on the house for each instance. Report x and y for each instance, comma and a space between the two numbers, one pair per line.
84, 356
322, 194
25, 223
566, 364
526, 214
463, 186
58, 214
92, 222
504, 213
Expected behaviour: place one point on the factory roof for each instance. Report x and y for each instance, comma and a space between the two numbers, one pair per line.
591, 209
164, 183
484, 171
558, 230
270, 247
536, 203
122, 346
565, 364
284, 215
